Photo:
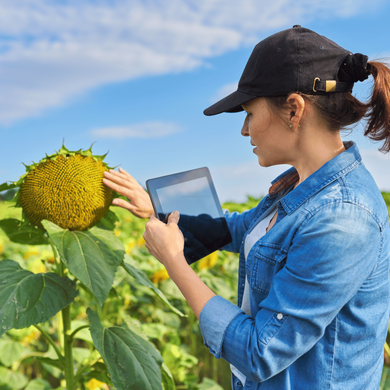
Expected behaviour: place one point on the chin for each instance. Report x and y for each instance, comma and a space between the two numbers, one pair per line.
264, 164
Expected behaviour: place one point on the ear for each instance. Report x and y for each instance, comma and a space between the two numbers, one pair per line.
296, 105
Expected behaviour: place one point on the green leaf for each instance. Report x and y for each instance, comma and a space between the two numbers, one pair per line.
11, 351
109, 220
167, 378
143, 279
28, 299
133, 363
23, 232
38, 384
92, 256
15, 380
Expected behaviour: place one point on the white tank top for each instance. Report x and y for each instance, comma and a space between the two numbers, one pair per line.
258, 231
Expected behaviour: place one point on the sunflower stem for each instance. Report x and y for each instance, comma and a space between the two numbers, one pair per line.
67, 335
68, 352
59, 271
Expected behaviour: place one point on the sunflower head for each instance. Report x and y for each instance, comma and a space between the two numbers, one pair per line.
65, 188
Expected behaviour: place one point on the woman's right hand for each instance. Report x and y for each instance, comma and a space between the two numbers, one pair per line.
124, 184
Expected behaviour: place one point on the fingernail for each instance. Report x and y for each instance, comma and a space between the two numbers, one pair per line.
115, 201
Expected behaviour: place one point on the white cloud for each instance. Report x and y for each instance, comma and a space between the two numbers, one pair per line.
139, 130
51, 51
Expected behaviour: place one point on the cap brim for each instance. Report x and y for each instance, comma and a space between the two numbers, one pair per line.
231, 103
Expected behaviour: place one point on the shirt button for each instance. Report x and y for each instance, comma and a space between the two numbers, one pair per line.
279, 316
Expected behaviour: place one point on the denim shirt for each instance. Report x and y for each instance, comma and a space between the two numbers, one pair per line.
319, 285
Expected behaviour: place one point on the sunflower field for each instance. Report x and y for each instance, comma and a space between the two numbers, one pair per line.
82, 303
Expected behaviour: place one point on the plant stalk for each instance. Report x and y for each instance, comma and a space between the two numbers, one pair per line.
59, 271
66, 329
68, 352
71, 337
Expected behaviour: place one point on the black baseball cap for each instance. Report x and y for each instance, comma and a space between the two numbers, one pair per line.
294, 60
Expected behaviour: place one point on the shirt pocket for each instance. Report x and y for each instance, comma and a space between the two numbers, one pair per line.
262, 266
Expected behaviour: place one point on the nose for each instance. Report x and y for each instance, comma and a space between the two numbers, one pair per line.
245, 128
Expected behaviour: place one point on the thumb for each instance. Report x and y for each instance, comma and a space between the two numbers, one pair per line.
174, 218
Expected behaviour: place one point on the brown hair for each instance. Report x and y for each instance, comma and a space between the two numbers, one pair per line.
340, 110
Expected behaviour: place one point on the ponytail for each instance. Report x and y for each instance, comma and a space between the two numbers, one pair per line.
378, 113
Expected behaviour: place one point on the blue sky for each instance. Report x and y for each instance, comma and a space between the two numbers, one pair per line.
134, 76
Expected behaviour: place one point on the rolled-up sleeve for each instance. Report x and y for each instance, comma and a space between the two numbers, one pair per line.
216, 315
328, 261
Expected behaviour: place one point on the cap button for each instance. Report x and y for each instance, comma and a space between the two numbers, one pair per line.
296, 26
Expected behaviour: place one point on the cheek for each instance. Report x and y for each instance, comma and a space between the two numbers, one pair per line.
259, 129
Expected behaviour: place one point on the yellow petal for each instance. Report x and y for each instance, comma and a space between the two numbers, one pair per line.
94, 384
160, 276
208, 261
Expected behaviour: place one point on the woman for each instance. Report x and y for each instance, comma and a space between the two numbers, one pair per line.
313, 293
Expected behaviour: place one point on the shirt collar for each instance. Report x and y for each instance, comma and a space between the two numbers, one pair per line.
329, 172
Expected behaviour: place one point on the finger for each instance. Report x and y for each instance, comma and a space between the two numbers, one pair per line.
125, 205
173, 218
118, 188
125, 175
110, 184
116, 174
118, 179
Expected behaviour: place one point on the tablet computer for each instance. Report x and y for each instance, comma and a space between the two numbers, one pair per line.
202, 222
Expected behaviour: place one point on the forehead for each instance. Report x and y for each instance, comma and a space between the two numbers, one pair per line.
257, 102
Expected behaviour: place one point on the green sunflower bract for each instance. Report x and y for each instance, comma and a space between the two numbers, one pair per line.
65, 188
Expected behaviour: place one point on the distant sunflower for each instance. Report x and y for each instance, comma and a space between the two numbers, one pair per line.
65, 188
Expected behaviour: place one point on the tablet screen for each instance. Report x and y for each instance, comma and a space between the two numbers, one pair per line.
202, 223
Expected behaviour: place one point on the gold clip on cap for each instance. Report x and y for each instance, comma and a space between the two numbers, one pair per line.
330, 86
314, 84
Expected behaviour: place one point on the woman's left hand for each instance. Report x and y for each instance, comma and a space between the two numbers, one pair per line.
165, 241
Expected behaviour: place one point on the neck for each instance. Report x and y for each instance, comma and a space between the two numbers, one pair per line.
315, 151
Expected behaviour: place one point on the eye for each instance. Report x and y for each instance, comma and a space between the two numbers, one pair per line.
248, 115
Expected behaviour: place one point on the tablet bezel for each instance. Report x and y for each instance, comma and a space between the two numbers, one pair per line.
154, 184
